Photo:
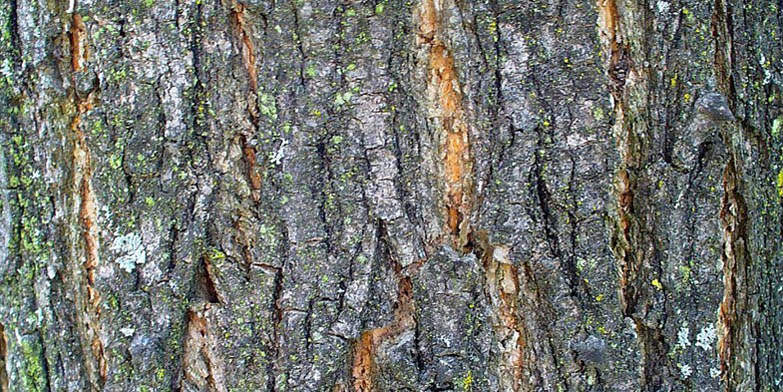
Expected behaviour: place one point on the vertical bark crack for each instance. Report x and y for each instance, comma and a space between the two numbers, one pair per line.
733, 326
253, 175
247, 48
243, 33
87, 296
630, 242
617, 69
734, 305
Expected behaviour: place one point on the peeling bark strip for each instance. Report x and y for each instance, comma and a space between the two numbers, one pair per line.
617, 69
243, 33
503, 284
618, 52
632, 247
734, 312
3, 360
733, 217
445, 96
202, 368
87, 297
249, 154
364, 353
78, 37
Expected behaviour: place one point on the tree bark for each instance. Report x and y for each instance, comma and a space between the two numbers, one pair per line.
432, 195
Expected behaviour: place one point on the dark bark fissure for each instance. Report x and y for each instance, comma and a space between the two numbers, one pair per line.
3, 359
277, 314
298, 30
13, 22
488, 139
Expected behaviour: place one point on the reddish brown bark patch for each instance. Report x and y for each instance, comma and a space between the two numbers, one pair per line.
253, 175
78, 38
243, 34
364, 367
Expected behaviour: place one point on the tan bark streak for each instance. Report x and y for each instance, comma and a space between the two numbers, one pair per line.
202, 368
89, 298
445, 95
363, 370
503, 281
243, 33
78, 37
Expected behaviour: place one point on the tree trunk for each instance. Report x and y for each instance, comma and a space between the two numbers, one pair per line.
498, 195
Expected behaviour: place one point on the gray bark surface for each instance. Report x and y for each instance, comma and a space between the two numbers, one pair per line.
431, 195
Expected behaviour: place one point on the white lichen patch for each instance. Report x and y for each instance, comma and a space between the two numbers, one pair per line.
683, 339
663, 6
706, 337
131, 251
714, 373
685, 370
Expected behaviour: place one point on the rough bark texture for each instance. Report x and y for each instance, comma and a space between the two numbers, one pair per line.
433, 195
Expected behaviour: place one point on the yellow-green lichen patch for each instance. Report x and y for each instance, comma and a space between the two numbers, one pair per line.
780, 183
32, 367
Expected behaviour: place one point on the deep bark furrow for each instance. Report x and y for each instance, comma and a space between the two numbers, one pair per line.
3, 359
625, 39
240, 195
86, 295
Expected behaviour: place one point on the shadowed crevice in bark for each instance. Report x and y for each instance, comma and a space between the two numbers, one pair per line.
201, 366
3, 359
